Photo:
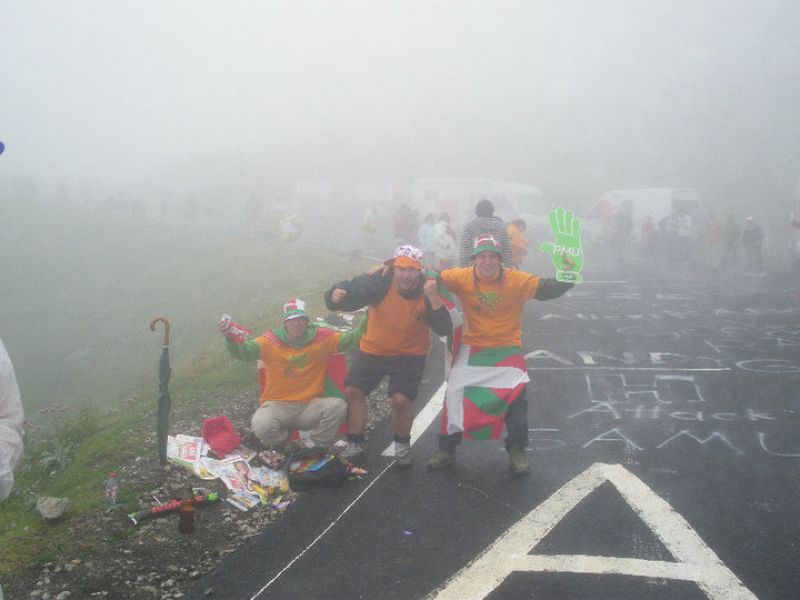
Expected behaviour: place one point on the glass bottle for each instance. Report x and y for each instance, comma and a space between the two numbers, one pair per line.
186, 514
110, 496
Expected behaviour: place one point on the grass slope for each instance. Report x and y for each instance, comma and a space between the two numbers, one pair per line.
74, 313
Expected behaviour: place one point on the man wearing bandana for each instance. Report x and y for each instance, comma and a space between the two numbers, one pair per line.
403, 305
487, 380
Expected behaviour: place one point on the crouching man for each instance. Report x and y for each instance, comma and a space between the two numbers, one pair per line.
294, 357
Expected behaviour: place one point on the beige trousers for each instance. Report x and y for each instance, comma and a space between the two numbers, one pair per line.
273, 421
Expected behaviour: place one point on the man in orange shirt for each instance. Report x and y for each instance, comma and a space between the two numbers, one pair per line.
403, 305
295, 357
519, 245
487, 381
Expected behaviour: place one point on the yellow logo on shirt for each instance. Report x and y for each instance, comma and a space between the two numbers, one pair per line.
487, 301
298, 362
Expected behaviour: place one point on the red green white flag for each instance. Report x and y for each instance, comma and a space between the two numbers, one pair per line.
482, 382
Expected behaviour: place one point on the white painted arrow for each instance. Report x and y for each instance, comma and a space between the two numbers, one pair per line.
694, 560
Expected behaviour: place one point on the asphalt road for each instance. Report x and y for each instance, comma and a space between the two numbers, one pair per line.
664, 448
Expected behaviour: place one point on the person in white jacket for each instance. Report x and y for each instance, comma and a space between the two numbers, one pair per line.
446, 246
11, 417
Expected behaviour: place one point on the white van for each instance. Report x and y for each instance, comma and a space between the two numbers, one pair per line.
657, 203
458, 197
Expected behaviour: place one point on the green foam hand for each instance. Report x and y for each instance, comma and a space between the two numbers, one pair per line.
566, 252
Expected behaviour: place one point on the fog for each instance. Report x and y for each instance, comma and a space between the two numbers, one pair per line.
236, 114
574, 97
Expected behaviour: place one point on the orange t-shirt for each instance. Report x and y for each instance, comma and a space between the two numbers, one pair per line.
492, 310
295, 374
397, 327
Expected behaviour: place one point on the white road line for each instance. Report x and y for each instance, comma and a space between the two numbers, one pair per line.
321, 535
694, 560
421, 422
423, 419
590, 368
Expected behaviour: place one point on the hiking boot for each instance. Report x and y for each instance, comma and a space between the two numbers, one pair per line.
251, 441
441, 460
352, 451
403, 456
272, 459
518, 462
291, 447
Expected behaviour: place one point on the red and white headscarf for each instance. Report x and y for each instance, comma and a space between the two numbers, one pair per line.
406, 256
294, 309
486, 242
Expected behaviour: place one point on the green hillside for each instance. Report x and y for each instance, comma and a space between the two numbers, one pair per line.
79, 288
81, 285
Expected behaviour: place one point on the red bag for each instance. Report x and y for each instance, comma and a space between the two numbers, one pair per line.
219, 434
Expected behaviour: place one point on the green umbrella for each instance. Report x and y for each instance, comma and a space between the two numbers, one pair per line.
164, 372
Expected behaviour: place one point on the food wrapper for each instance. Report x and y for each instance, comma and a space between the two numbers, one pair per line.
236, 333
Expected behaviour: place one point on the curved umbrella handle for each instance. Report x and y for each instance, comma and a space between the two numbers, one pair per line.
166, 328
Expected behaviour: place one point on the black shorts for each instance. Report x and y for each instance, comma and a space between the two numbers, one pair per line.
405, 373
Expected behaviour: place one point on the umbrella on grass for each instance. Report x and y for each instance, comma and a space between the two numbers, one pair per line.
164, 372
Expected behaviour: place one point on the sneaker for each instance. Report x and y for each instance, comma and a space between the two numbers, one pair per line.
272, 459
403, 456
353, 450
251, 441
441, 460
518, 462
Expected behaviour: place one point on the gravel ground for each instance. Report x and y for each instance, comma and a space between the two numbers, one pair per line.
113, 558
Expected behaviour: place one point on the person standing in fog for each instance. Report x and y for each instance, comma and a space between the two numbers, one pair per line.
11, 417
712, 235
426, 234
402, 306
731, 234
752, 237
489, 366
649, 236
370, 225
794, 250
446, 246
519, 245
405, 225
484, 223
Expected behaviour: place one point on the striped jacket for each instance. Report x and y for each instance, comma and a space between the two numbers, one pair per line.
479, 226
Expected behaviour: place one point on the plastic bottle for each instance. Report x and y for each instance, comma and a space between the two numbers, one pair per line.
186, 515
110, 497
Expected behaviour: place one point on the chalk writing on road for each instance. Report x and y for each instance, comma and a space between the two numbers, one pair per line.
543, 439
770, 365
644, 411
661, 388
514, 551
619, 408
545, 360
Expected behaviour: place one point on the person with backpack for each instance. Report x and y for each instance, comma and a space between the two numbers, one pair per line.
485, 222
